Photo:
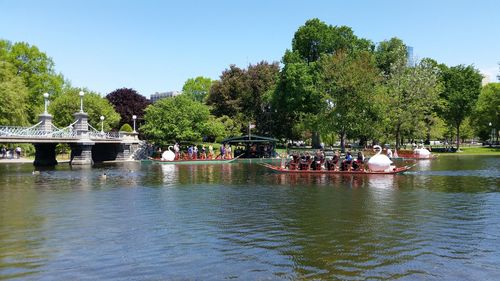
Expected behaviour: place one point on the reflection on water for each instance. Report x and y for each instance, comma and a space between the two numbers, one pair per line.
242, 221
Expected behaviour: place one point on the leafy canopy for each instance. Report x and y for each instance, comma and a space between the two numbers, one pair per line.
127, 102
68, 103
180, 119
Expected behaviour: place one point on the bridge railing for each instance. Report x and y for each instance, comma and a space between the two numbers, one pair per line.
66, 132
14, 131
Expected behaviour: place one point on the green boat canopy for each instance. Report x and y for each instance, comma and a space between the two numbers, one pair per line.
252, 146
249, 139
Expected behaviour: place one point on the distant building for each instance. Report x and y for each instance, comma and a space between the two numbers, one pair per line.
486, 79
409, 56
156, 96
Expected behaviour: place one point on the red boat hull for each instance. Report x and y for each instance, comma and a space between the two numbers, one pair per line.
366, 172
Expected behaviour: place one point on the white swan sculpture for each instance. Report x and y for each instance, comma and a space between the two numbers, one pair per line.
422, 152
379, 162
168, 155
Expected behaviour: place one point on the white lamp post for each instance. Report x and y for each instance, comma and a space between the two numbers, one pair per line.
134, 117
45, 97
81, 100
102, 124
491, 134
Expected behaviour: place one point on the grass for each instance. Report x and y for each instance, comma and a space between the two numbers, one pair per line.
483, 150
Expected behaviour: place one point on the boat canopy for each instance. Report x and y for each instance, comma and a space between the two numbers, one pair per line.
252, 146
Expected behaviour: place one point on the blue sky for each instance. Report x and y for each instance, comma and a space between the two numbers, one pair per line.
155, 46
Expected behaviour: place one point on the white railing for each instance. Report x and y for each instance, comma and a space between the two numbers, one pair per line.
66, 132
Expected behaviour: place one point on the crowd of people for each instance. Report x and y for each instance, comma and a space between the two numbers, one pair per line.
318, 161
192, 152
9, 153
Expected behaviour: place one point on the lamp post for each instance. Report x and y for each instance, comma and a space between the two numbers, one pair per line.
134, 117
102, 124
81, 100
491, 134
45, 97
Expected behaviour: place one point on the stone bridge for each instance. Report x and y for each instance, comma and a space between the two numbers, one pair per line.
87, 143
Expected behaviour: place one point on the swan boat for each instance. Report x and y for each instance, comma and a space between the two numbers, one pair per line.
168, 158
397, 170
377, 164
189, 162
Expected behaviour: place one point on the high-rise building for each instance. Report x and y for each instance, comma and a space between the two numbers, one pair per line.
156, 96
409, 56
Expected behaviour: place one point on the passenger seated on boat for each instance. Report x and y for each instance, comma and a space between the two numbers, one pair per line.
318, 160
293, 164
358, 164
346, 164
332, 164
305, 162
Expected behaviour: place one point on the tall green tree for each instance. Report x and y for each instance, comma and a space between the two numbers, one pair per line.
488, 111
180, 119
462, 86
128, 102
37, 71
348, 81
244, 95
298, 80
389, 53
66, 104
197, 88
13, 97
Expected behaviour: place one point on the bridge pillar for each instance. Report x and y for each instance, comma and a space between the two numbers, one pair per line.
123, 152
46, 120
45, 154
81, 153
81, 126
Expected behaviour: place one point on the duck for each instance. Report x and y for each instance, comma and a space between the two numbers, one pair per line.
35, 172
379, 162
103, 176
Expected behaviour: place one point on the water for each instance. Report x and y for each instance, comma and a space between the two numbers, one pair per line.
240, 221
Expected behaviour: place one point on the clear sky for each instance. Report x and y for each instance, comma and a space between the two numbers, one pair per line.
155, 46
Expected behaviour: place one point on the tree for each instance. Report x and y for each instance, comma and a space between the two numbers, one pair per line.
244, 95
126, 128
348, 81
68, 103
180, 119
389, 53
225, 94
197, 88
127, 102
13, 97
37, 71
298, 90
462, 86
488, 111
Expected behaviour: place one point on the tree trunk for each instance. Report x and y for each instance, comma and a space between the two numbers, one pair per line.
342, 142
398, 137
316, 140
458, 137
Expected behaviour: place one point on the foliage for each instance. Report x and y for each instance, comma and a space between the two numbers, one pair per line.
412, 93
127, 102
197, 88
348, 81
68, 103
13, 97
244, 95
180, 119
389, 53
487, 111
298, 101
37, 71
462, 86
126, 128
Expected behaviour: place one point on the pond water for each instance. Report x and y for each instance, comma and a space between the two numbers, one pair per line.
441, 221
